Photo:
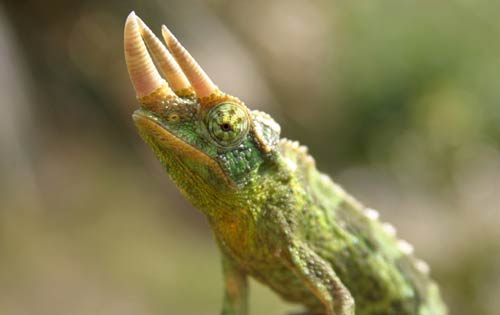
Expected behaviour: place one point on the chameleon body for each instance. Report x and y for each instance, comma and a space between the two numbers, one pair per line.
275, 217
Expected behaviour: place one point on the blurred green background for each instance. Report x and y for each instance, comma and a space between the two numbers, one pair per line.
397, 100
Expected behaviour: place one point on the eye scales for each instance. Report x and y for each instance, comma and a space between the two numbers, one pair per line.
227, 123
275, 217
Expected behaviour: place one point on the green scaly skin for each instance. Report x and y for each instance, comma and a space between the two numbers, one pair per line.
276, 218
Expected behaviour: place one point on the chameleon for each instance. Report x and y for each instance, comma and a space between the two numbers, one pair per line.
274, 216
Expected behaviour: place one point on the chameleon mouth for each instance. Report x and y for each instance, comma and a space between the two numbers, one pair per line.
157, 135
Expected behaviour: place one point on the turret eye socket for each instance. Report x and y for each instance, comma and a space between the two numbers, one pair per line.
227, 124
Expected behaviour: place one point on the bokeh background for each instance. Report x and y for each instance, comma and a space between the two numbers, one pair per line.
398, 100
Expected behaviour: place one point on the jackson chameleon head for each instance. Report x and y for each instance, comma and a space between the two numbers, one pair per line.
206, 139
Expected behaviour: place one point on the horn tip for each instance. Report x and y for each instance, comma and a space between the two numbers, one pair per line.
167, 34
140, 22
130, 23
131, 16
130, 27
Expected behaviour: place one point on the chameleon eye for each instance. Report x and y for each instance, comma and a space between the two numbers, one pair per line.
227, 124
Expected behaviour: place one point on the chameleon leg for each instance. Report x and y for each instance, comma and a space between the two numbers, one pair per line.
321, 279
236, 289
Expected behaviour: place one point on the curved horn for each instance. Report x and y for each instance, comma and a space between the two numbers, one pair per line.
167, 64
200, 82
142, 71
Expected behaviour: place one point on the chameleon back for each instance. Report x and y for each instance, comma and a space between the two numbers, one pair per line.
379, 270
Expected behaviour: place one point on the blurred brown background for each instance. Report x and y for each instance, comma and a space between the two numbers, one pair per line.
397, 100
